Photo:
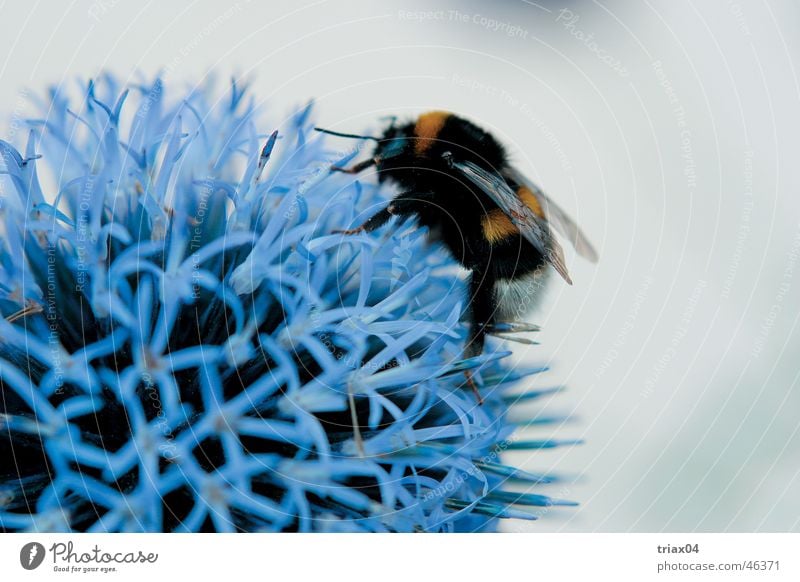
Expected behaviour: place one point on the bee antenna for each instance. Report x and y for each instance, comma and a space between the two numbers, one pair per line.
340, 134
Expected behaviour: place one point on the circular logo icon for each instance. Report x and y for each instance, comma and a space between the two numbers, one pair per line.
31, 555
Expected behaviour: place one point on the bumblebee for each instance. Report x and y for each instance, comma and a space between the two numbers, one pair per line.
455, 178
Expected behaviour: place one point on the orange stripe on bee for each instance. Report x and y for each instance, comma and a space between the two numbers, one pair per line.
427, 129
530, 200
497, 226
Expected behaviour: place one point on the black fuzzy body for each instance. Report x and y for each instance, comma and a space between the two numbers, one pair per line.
453, 209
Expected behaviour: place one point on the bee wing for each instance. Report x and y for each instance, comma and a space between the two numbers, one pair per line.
559, 219
534, 229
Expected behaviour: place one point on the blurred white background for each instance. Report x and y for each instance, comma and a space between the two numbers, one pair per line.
671, 130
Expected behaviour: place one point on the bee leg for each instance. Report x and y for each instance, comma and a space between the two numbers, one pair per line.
474, 387
482, 309
357, 168
402, 205
375, 221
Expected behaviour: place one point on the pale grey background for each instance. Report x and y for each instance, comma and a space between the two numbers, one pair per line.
680, 347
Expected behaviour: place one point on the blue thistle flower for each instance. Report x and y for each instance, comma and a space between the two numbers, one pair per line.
184, 346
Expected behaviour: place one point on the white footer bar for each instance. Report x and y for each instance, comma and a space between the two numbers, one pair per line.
387, 557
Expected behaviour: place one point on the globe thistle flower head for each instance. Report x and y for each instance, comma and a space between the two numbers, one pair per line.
186, 346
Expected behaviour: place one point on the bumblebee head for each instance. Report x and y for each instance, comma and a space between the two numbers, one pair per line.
411, 147
421, 149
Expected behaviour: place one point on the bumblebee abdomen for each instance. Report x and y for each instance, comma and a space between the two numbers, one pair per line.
517, 297
514, 257
496, 224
